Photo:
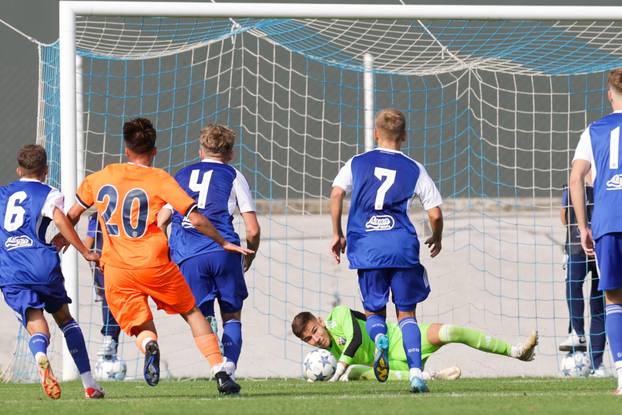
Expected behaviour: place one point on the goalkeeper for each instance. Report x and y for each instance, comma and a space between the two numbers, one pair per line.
343, 334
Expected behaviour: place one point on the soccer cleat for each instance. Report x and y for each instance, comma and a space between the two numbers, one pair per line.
226, 385
152, 363
526, 351
573, 343
108, 349
94, 393
48, 381
618, 391
418, 385
450, 373
381, 358
600, 372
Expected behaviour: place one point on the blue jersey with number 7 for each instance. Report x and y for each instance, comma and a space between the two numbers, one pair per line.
383, 183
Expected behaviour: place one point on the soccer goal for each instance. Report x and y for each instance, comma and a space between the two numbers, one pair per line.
495, 98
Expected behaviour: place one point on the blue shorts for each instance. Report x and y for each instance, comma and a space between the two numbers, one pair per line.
409, 286
51, 297
98, 285
609, 260
216, 275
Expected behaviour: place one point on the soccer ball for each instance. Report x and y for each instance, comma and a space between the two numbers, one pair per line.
110, 369
575, 365
319, 364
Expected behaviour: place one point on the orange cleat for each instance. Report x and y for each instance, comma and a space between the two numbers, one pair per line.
48, 381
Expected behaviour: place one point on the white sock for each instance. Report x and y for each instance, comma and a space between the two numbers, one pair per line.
39, 356
428, 376
618, 367
88, 381
415, 372
147, 340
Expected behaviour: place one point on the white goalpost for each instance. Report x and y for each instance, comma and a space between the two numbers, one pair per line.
496, 98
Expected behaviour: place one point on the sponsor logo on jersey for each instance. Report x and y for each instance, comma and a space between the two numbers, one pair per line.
341, 341
380, 223
15, 242
615, 183
330, 324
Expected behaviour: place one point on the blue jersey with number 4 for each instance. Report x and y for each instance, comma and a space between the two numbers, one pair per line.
604, 135
25, 257
380, 234
210, 184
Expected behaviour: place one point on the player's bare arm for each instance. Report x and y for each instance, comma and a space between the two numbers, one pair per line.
73, 216
435, 216
203, 225
580, 169
253, 235
165, 215
338, 242
65, 226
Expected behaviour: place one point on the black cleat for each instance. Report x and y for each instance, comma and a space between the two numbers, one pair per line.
226, 385
152, 363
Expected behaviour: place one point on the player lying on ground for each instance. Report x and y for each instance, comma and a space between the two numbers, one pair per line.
345, 336
135, 255
210, 271
30, 274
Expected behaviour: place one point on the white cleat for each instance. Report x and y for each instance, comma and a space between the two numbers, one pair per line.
618, 391
600, 372
574, 342
526, 351
449, 373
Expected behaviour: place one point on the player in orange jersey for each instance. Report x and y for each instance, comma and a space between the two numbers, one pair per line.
135, 257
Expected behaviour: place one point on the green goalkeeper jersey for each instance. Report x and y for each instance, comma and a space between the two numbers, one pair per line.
351, 344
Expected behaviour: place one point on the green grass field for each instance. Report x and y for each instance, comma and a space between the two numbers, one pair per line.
464, 396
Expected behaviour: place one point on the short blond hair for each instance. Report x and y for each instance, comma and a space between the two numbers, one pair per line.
391, 124
217, 138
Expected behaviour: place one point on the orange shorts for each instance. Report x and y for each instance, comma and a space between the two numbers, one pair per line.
127, 291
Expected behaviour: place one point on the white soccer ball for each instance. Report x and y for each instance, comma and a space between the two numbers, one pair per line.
575, 365
319, 364
110, 369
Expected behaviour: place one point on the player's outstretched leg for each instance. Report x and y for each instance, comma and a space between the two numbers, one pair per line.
38, 345
376, 327
147, 342
77, 347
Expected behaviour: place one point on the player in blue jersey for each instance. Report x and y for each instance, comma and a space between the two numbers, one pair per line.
598, 152
110, 328
382, 241
212, 273
30, 273
578, 266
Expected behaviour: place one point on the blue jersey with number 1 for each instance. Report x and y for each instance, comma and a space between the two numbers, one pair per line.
25, 257
604, 136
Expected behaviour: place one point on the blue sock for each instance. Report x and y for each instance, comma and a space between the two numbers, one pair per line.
411, 337
597, 328
38, 343
232, 340
574, 293
613, 327
76, 345
376, 325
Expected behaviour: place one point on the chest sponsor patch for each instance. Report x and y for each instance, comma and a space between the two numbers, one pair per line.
15, 242
380, 223
341, 341
615, 183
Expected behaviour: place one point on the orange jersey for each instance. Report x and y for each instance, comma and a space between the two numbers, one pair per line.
128, 198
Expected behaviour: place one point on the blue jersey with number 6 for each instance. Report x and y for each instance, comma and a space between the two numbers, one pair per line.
26, 210
383, 182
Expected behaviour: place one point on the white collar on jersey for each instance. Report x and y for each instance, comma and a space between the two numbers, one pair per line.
210, 160
28, 179
617, 112
388, 150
